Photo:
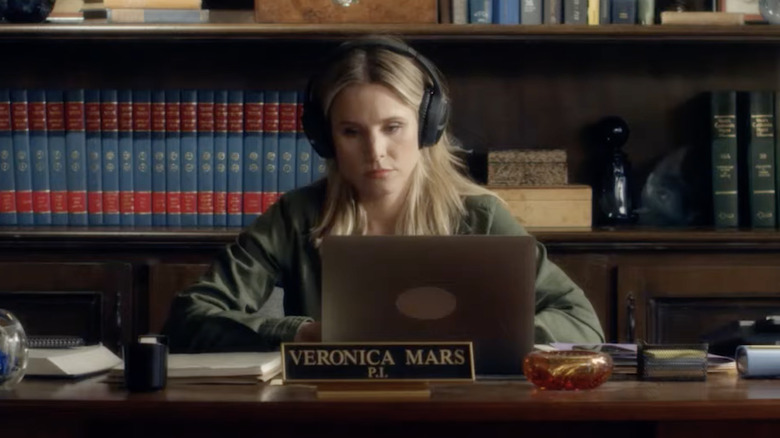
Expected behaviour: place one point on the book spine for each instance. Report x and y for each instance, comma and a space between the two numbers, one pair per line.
253, 155
157, 15
109, 135
152, 4
220, 157
270, 149
142, 154
303, 149
235, 151
605, 11
205, 158
575, 12
20, 135
94, 154
460, 11
723, 107
39, 155
76, 157
173, 157
761, 159
481, 11
288, 116
623, 11
7, 182
55, 130
189, 158
159, 208
506, 11
553, 11
531, 12
594, 12
126, 158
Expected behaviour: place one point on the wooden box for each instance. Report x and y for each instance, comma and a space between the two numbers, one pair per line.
527, 167
346, 11
549, 206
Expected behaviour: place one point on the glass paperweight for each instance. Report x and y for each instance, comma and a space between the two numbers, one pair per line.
770, 10
569, 370
13, 350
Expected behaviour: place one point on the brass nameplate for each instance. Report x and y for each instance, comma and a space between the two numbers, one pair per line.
384, 362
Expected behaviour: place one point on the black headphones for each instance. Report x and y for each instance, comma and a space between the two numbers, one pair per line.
433, 113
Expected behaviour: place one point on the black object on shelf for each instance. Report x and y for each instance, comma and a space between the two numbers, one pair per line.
614, 198
26, 11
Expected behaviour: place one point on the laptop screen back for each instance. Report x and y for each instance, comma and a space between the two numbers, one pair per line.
433, 288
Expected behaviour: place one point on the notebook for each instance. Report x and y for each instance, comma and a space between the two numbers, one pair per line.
429, 288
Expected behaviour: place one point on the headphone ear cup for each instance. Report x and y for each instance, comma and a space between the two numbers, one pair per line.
316, 129
434, 120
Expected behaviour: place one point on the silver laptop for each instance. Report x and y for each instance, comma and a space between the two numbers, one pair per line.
433, 288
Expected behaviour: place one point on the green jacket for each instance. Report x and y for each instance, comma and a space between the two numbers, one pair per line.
224, 309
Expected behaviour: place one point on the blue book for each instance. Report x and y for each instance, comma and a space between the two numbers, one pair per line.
319, 167
481, 11
126, 158
142, 153
159, 208
94, 153
235, 151
173, 157
253, 156
20, 135
270, 149
506, 11
302, 149
189, 158
288, 115
220, 157
623, 11
205, 158
39, 156
76, 157
109, 136
7, 182
55, 130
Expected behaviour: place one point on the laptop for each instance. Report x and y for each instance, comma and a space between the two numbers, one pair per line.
433, 288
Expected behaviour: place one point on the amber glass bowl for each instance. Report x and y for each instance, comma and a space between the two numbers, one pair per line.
568, 370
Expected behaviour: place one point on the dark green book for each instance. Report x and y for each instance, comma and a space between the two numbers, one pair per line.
759, 142
723, 108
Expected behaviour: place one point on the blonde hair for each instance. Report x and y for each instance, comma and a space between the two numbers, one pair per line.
438, 187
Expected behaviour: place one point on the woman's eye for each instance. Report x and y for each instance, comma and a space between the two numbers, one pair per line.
349, 132
393, 128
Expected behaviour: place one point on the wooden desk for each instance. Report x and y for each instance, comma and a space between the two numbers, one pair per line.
723, 406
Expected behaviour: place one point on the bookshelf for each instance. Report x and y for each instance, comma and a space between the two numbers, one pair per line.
511, 86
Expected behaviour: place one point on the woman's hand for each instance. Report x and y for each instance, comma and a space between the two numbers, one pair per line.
309, 332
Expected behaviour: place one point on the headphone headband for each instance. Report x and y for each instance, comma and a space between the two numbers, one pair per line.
433, 112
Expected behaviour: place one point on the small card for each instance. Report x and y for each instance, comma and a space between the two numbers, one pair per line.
380, 362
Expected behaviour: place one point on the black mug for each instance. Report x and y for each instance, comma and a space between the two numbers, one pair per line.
146, 364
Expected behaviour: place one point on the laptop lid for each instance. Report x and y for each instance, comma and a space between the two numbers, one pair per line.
433, 288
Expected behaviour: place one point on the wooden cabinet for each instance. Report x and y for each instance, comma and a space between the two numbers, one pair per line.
679, 299
92, 300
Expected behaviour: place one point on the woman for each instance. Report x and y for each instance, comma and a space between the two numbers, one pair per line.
379, 114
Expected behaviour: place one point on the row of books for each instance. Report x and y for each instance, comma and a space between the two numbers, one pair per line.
745, 159
592, 12
149, 157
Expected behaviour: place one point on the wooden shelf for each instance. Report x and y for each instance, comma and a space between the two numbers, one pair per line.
611, 239
439, 32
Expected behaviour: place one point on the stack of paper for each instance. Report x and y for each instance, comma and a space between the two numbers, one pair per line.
70, 362
259, 365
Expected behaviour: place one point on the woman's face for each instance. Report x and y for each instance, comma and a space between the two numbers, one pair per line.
375, 136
